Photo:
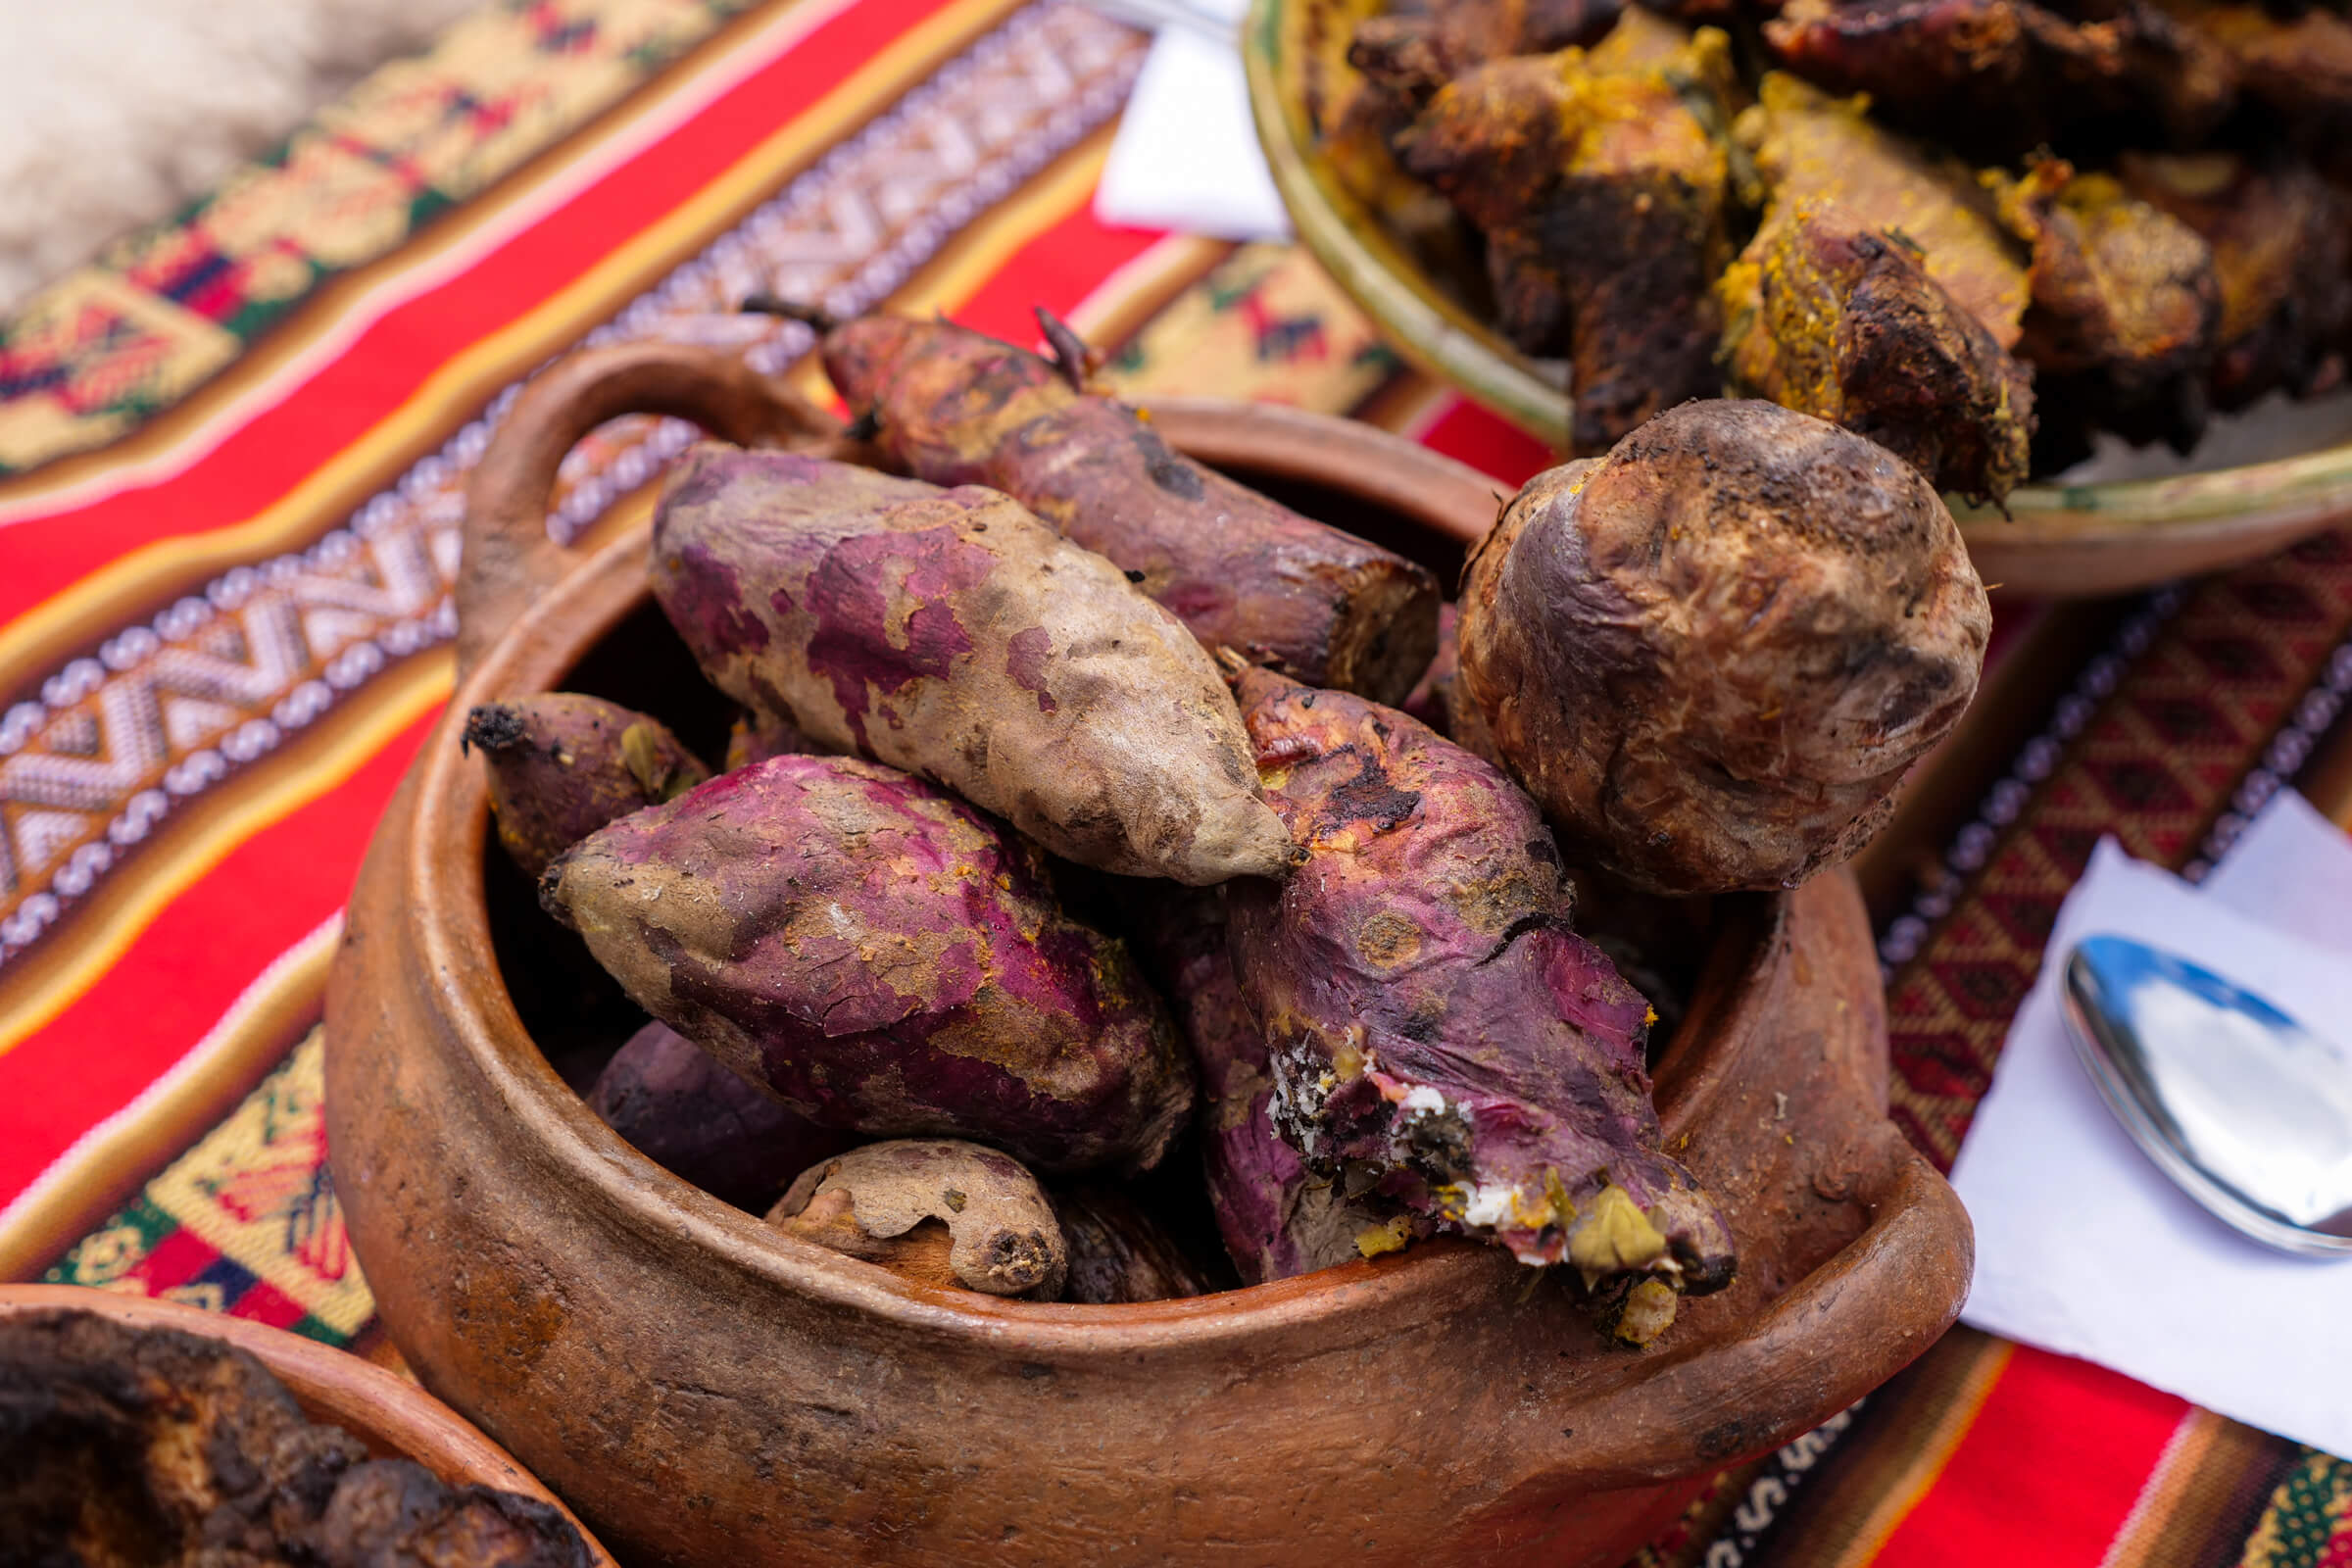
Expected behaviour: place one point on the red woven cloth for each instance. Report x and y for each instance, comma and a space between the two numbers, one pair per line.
231, 453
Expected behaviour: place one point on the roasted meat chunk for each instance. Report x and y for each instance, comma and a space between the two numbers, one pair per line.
2282, 241
1599, 182
1840, 321
2125, 310
1880, 292
1998, 78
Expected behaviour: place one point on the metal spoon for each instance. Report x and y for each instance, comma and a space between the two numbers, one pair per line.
2246, 1109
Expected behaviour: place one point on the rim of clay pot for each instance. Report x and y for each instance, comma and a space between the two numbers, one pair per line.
452, 813
387, 1412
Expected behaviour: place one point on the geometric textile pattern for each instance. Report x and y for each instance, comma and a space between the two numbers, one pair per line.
2154, 764
1269, 325
245, 1222
162, 310
172, 708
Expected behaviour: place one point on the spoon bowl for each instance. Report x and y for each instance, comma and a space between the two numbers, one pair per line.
2246, 1109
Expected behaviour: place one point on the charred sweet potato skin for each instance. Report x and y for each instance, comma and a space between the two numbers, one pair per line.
677, 1106
1711, 654
950, 633
881, 957
563, 764
1276, 1217
1431, 1015
1243, 571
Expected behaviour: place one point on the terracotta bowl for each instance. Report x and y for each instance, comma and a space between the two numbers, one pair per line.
707, 1391
2056, 539
392, 1416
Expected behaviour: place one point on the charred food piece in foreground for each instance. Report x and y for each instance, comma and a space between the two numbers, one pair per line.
562, 766
950, 633
884, 958
1712, 653
139, 1446
1431, 1021
955, 406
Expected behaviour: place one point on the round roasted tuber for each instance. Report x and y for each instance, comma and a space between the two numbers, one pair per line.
936, 1212
881, 957
562, 766
676, 1105
1711, 654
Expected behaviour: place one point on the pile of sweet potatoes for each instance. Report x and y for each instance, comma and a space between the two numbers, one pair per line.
1070, 901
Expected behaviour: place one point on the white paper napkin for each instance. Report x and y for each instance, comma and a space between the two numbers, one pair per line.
2084, 1247
1186, 156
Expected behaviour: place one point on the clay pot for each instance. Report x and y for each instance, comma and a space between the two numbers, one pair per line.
393, 1417
707, 1391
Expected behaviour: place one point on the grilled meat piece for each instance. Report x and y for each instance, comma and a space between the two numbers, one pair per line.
1998, 78
1599, 181
2282, 241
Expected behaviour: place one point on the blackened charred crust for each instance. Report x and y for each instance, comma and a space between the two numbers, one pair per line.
494, 727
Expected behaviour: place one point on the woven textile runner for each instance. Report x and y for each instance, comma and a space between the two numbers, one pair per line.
240, 440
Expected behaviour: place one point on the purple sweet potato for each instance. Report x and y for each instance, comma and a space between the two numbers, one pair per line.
757, 737
955, 406
1118, 1253
1277, 1218
882, 958
562, 766
1431, 1015
702, 1122
950, 633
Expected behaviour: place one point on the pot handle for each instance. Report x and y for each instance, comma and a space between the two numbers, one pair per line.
1893, 1288
509, 558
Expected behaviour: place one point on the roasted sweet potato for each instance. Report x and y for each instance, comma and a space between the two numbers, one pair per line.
757, 737
703, 1124
936, 1211
1118, 1253
1431, 1021
950, 633
1998, 78
881, 957
1712, 655
1276, 1217
562, 766
955, 407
